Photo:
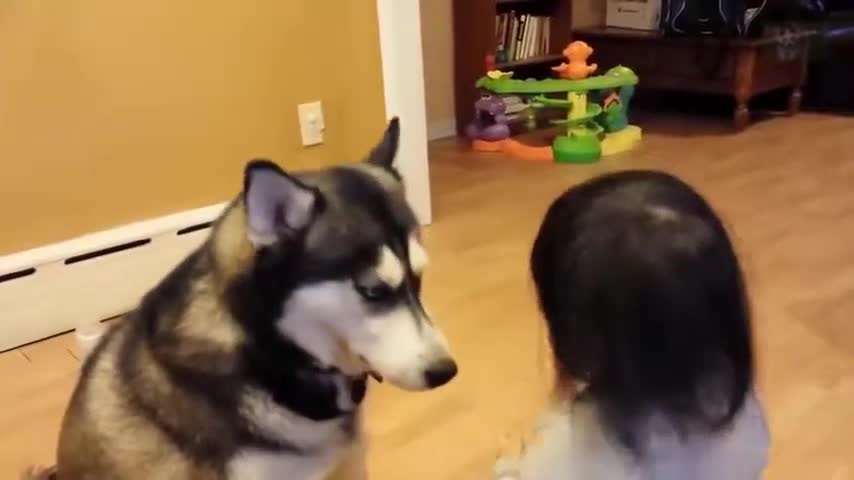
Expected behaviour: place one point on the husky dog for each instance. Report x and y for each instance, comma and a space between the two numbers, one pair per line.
250, 359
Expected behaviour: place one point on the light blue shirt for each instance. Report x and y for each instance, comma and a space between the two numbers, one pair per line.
572, 445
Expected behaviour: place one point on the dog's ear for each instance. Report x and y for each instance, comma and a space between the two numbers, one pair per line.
384, 152
277, 204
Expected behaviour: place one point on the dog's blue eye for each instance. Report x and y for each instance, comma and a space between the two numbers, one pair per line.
375, 293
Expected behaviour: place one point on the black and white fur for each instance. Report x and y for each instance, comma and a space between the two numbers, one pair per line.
250, 359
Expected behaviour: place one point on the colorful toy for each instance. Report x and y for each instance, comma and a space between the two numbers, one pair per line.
577, 69
597, 110
490, 121
490, 62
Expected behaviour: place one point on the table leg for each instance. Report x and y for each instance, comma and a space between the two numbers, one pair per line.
795, 98
741, 115
744, 70
797, 90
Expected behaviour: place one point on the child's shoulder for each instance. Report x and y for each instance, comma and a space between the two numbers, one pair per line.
749, 434
739, 452
578, 432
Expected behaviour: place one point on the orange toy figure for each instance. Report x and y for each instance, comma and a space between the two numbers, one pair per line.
577, 53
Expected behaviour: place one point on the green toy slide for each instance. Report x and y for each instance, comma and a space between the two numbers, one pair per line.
581, 143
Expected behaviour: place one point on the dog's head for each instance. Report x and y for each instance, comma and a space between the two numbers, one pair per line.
341, 247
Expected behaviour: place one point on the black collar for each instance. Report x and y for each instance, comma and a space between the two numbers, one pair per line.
358, 384
300, 383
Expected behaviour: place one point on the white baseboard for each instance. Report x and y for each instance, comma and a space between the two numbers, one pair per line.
56, 288
442, 129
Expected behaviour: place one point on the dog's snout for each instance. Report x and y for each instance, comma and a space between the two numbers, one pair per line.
440, 372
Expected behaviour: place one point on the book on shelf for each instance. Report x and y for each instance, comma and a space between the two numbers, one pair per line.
519, 36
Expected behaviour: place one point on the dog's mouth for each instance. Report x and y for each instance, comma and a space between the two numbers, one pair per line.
369, 370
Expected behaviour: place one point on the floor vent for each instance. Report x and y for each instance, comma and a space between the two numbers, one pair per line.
106, 251
195, 228
8, 277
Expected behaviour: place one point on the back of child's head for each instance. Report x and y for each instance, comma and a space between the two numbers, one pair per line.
645, 304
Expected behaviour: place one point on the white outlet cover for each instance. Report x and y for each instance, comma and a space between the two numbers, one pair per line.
311, 122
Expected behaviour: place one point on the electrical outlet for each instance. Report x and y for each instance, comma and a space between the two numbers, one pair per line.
311, 123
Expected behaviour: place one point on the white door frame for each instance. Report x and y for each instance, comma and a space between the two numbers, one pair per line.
403, 78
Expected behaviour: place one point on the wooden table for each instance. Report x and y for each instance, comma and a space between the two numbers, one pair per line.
740, 67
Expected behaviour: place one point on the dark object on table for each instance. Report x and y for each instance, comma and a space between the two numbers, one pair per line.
831, 69
703, 17
789, 10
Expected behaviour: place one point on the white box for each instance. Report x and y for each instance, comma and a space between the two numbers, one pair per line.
635, 14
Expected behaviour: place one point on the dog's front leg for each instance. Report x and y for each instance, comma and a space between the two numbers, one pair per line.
354, 465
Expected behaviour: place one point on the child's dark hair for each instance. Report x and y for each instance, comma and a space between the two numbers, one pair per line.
645, 303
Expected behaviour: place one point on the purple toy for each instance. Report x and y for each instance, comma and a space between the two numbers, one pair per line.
490, 121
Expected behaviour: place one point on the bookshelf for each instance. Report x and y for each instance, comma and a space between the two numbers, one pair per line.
474, 26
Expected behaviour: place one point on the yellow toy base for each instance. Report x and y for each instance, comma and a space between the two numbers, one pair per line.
622, 141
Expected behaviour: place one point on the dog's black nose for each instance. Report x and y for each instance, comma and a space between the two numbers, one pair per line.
440, 373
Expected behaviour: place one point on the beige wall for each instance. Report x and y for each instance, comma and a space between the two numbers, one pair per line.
437, 44
112, 112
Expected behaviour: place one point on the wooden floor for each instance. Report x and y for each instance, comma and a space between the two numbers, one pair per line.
785, 187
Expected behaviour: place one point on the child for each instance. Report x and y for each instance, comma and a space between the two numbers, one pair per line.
649, 325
